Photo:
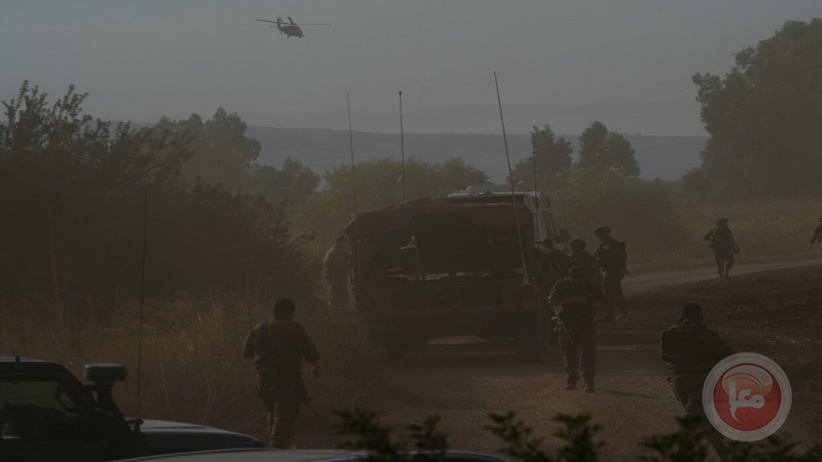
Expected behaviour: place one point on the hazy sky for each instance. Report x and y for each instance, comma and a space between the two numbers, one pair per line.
627, 63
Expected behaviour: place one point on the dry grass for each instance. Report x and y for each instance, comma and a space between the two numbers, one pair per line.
192, 368
777, 229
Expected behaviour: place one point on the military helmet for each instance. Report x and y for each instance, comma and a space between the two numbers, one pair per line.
692, 312
574, 243
602, 230
722, 222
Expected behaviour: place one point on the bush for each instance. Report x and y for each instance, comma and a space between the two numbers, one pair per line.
639, 212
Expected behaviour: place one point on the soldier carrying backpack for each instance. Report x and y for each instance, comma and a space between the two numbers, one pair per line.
691, 351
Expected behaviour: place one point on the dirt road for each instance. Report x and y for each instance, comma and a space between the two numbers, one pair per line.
463, 382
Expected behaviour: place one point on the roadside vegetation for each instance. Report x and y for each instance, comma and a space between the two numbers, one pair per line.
105, 224
575, 440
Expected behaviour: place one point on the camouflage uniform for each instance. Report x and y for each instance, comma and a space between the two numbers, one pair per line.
612, 260
577, 328
724, 247
335, 266
587, 261
691, 351
278, 348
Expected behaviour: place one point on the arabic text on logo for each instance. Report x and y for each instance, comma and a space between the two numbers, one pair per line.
747, 397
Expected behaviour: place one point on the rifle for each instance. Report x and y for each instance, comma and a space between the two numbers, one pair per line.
305, 398
561, 327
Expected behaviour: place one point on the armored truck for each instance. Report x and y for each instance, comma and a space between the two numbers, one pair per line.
477, 262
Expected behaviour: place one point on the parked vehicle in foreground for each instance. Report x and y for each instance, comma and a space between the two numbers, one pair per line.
474, 263
278, 455
47, 414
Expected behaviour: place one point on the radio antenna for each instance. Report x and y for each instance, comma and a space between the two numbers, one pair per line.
534, 139
351, 144
511, 183
402, 151
354, 187
142, 299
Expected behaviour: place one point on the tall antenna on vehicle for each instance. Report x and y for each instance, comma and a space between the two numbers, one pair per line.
402, 151
511, 183
353, 186
534, 138
142, 299
351, 143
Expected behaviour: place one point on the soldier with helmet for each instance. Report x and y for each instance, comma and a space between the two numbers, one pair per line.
724, 247
817, 235
612, 260
691, 350
576, 300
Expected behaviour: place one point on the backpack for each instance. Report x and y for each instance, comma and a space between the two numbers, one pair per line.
680, 344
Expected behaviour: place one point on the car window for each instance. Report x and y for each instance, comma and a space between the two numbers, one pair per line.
36, 409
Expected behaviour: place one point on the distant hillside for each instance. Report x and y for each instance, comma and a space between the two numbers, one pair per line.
663, 157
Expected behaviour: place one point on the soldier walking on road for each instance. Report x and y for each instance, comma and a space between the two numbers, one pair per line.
612, 260
576, 300
277, 348
817, 236
724, 247
335, 268
691, 351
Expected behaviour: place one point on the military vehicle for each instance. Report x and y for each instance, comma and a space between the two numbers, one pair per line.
46, 413
478, 262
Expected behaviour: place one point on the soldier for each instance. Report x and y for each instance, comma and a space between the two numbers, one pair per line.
576, 300
335, 266
691, 351
724, 247
278, 347
817, 236
612, 261
580, 257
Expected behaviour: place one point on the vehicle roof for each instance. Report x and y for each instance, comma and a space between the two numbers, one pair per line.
17, 363
398, 216
278, 455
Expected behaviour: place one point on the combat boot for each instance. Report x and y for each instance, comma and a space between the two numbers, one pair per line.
571, 382
589, 385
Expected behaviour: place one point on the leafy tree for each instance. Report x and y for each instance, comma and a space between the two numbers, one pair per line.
553, 155
764, 116
73, 193
221, 151
290, 184
604, 150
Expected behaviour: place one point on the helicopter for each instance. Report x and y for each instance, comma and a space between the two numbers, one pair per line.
290, 28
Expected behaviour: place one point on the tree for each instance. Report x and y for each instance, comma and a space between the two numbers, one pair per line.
221, 151
291, 184
553, 155
604, 150
764, 116
75, 194
583, 199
